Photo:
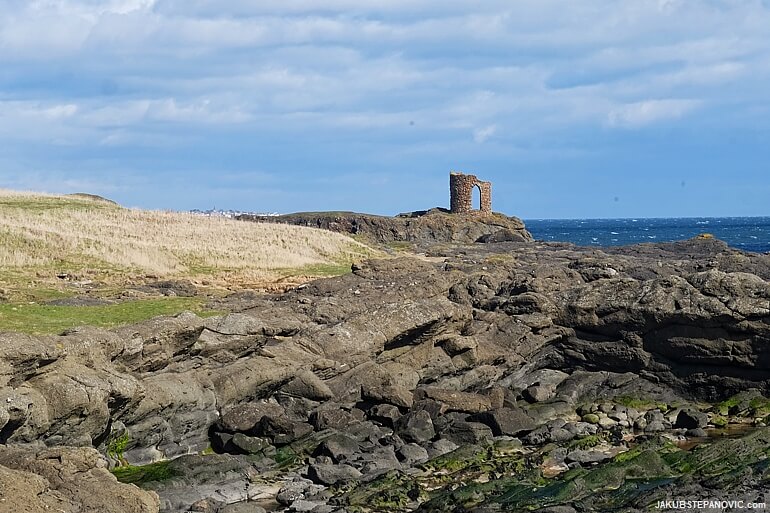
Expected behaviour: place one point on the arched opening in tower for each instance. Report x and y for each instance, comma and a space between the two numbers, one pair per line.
476, 197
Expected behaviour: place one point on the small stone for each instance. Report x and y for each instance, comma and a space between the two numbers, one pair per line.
309, 386
390, 394
325, 508
456, 401
456, 344
244, 417
584, 457
560, 435
497, 397
291, 492
331, 418
539, 436
281, 430
538, 393
386, 414
605, 422
207, 505
304, 506
249, 444
618, 413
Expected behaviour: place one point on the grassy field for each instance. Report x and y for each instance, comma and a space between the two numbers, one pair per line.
59, 246
37, 318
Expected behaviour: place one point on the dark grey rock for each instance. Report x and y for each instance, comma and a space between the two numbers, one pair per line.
655, 422
244, 417
539, 436
390, 394
467, 433
222, 441
560, 435
325, 508
379, 461
305, 506
411, 454
690, 418
242, 507
506, 421
441, 447
584, 457
329, 475
434, 408
331, 418
416, 427
538, 393
655, 426
387, 414
366, 431
249, 444
281, 430
338, 447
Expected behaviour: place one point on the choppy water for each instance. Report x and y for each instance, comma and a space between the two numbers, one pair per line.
746, 233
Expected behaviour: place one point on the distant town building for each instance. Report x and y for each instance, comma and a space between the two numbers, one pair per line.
213, 212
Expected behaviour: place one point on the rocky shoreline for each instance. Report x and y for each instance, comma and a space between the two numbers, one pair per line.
481, 377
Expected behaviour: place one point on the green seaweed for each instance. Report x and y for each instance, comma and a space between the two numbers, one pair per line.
117, 446
139, 475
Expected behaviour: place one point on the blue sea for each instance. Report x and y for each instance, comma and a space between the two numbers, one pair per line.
745, 233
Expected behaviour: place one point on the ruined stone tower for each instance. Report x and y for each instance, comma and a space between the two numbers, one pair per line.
461, 193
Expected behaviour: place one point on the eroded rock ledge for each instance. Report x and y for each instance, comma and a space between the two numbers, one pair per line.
478, 343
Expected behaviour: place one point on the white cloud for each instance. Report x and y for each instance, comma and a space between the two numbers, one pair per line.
203, 111
481, 135
59, 111
511, 71
638, 114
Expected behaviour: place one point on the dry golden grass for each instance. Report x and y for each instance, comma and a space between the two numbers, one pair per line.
47, 233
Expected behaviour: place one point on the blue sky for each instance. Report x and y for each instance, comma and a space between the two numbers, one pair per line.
594, 108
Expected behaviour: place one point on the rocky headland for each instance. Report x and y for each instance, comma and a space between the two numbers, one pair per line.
424, 227
506, 376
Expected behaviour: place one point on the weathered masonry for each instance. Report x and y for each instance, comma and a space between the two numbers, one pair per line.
461, 193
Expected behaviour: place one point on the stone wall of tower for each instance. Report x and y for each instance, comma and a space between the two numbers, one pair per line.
461, 193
